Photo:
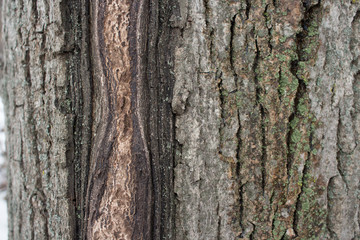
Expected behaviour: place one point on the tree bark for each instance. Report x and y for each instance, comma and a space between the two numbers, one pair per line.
182, 119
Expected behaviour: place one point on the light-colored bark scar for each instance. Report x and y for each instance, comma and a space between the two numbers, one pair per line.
115, 215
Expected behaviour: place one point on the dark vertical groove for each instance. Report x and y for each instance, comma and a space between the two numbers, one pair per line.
300, 93
339, 154
76, 18
83, 108
160, 121
248, 8
22, 171
238, 168
262, 114
241, 209
284, 236
263, 150
301, 42
207, 12
254, 69
231, 52
167, 124
328, 190
152, 116
143, 206
152, 86
218, 223
222, 100
266, 15
34, 10
251, 237
279, 87
102, 145
303, 186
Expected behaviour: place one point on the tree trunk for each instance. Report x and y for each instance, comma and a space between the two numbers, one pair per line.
182, 119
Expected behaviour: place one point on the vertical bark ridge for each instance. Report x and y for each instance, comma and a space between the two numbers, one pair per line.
336, 136
206, 123
161, 41
48, 107
342, 189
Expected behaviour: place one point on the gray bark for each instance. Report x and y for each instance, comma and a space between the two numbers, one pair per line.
265, 96
46, 87
182, 119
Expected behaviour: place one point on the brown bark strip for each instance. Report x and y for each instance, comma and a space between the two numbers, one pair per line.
83, 131
112, 185
143, 196
132, 158
156, 85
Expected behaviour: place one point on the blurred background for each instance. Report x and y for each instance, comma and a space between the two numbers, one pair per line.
3, 182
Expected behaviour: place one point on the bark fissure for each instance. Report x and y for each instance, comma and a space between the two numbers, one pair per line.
231, 50
340, 154
248, 8
262, 116
298, 113
160, 62
328, 221
298, 207
266, 15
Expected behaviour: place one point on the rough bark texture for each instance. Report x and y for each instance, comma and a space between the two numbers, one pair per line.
90, 128
267, 122
166, 119
46, 80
